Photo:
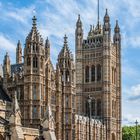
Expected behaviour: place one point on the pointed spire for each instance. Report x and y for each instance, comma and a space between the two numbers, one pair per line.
79, 23
117, 28
18, 44
65, 40
98, 14
106, 17
47, 44
34, 21
6, 58
90, 32
47, 48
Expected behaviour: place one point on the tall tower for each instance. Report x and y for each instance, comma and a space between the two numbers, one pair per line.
79, 69
19, 53
58, 103
34, 78
98, 74
66, 64
6, 70
117, 108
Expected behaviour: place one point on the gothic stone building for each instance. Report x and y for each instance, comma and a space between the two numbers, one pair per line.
96, 71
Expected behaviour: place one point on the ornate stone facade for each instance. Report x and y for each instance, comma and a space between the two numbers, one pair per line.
65, 89
98, 74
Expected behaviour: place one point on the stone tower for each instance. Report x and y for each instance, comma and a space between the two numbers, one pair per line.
6, 70
19, 53
58, 103
34, 78
98, 74
66, 64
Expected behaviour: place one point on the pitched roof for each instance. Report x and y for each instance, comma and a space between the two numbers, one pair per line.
3, 95
16, 68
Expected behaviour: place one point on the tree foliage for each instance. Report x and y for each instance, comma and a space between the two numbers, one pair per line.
129, 133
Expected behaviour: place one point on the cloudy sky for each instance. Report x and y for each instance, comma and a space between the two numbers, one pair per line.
58, 17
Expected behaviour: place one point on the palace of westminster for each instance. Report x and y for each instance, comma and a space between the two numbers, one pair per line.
76, 100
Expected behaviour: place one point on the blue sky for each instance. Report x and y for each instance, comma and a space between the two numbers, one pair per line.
58, 17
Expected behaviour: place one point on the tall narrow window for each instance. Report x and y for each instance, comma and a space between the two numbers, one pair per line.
87, 74
93, 73
34, 92
67, 135
67, 101
93, 103
87, 108
99, 107
35, 62
34, 112
28, 61
67, 76
114, 76
99, 72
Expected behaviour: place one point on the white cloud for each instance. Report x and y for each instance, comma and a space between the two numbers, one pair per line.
21, 15
6, 44
133, 93
130, 119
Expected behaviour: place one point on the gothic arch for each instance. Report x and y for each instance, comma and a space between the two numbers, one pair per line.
113, 136
1, 137
99, 73
87, 74
35, 62
28, 61
92, 73
99, 107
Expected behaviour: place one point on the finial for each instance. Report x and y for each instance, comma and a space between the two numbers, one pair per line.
47, 42
65, 39
106, 17
90, 27
117, 28
117, 23
18, 44
79, 23
34, 21
98, 14
79, 16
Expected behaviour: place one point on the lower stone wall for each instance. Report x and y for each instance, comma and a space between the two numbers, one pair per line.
97, 129
30, 133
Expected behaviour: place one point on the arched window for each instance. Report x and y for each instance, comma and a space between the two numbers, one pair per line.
1, 137
34, 112
113, 136
28, 61
67, 76
33, 47
93, 105
99, 107
99, 72
34, 92
112, 75
93, 73
35, 62
87, 74
87, 108
67, 101
36, 48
